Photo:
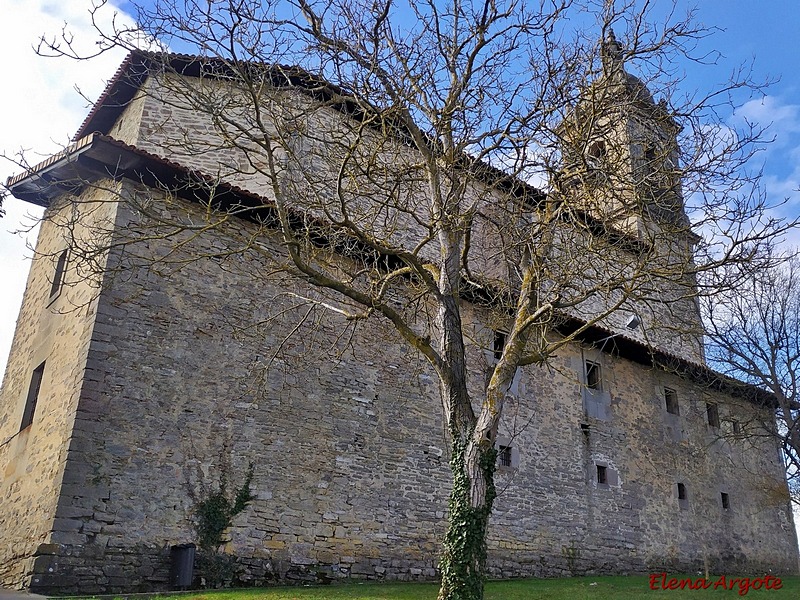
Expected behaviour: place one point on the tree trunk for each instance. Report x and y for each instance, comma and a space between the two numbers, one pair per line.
463, 561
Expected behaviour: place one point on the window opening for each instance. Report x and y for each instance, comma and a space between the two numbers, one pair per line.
681, 492
602, 474
671, 398
596, 153
712, 412
33, 396
504, 456
58, 275
726, 501
498, 344
737, 428
594, 380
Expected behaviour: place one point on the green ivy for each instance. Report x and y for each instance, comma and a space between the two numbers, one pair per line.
463, 562
572, 553
215, 512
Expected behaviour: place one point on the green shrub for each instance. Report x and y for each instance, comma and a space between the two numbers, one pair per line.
215, 512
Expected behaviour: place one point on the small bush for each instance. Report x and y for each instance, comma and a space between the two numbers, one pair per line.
215, 512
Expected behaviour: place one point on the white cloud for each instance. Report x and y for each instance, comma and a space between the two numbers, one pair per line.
781, 157
39, 112
783, 120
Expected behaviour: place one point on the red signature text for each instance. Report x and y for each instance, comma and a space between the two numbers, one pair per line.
659, 581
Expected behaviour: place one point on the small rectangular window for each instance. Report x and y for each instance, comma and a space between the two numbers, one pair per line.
712, 412
681, 492
671, 399
602, 475
726, 501
507, 455
33, 397
594, 380
504, 456
58, 274
498, 344
737, 428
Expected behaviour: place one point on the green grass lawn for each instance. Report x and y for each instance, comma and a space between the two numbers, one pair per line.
578, 588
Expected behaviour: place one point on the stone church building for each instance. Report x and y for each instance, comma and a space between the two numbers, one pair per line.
142, 373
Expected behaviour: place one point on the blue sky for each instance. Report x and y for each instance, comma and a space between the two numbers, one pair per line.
40, 109
764, 34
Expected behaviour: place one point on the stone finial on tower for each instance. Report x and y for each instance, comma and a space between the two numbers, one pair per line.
611, 53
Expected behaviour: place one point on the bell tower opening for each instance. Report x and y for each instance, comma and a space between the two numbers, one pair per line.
620, 153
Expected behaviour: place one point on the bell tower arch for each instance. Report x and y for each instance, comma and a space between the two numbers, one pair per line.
620, 154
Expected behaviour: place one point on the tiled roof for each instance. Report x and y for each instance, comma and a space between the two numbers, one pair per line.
111, 158
136, 67
97, 156
132, 73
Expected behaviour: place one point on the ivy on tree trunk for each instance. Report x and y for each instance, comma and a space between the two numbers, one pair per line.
463, 561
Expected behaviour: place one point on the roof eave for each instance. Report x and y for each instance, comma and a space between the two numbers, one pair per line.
97, 156
61, 173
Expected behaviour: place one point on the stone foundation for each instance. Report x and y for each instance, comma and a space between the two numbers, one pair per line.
59, 569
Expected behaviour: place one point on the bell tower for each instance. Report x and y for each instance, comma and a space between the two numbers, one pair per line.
620, 154
621, 180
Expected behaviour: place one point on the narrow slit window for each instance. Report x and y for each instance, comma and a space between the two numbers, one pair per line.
58, 274
682, 492
737, 428
602, 475
33, 397
498, 344
594, 380
712, 413
726, 501
671, 399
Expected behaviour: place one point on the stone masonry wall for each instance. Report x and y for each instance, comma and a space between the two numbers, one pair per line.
195, 365
170, 127
54, 330
556, 518
221, 364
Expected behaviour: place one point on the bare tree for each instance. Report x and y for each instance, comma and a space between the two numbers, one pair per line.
391, 160
754, 336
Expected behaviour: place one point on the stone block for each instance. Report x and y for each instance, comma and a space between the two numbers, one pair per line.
46, 564
67, 525
48, 549
323, 531
68, 538
70, 512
